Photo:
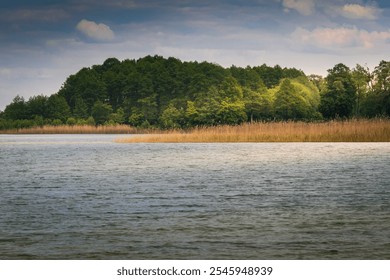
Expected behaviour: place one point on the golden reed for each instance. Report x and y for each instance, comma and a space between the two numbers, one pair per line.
73, 129
377, 130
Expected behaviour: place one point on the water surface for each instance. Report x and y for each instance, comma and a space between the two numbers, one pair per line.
86, 197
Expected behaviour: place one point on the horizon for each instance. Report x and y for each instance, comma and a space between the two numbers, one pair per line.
43, 44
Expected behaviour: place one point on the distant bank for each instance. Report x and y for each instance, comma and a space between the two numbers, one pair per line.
73, 129
377, 130
363, 130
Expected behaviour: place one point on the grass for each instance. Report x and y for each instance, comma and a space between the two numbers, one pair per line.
357, 130
377, 130
73, 129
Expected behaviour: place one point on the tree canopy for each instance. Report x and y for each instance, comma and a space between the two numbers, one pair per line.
168, 93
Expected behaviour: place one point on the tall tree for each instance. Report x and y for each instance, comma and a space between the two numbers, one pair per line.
86, 84
101, 112
17, 109
382, 86
80, 110
37, 106
290, 103
58, 108
172, 117
362, 79
339, 96
258, 104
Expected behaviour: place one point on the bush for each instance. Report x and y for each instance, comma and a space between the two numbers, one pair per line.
71, 121
90, 121
57, 122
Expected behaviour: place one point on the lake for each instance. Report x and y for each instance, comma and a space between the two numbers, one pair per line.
87, 197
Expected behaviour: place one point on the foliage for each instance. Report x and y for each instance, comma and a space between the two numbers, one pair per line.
258, 104
361, 78
382, 86
17, 110
118, 117
373, 90
290, 102
172, 117
101, 112
57, 108
167, 93
338, 98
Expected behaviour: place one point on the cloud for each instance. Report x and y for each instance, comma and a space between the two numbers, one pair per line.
342, 37
304, 7
44, 14
95, 31
356, 11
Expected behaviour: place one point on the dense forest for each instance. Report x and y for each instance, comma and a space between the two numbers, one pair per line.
167, 93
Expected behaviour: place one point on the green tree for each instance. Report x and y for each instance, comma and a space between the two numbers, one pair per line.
16, 110
271, 76
231, 112
80, 110
118, 117
309, 91
136, 118
361, 77
148, 108
39, 120
37, 106
382, 86
230, 90
115, 82
258, 104
191, 114
58, 108
382, 76
207, 105
86, 84
339, 96
290, 102
222, 104
317, 80
172, 117
247, 77
101, 112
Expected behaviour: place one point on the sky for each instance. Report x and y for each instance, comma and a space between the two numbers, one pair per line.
43, 42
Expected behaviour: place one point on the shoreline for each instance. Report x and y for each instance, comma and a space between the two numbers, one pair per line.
74, 129
334, 131
355, 130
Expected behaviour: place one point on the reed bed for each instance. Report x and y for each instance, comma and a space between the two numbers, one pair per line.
335, 131
74, 129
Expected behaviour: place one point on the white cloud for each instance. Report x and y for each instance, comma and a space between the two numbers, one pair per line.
95, 31
342, 37
356, 11
304, 7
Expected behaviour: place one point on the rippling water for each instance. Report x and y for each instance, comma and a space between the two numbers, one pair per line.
86, 197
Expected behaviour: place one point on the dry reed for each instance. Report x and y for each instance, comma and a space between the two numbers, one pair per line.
73, 129
335, 131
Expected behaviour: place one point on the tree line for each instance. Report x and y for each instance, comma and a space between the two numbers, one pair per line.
167, 93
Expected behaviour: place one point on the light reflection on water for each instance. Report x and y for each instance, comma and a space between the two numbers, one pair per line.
86, 197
